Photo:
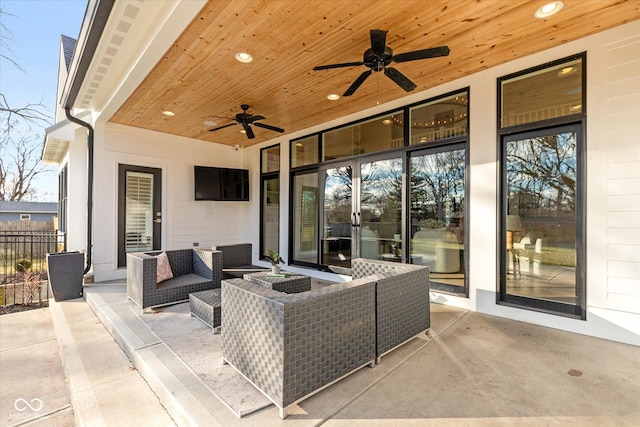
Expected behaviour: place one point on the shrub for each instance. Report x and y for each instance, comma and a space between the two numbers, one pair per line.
23, 265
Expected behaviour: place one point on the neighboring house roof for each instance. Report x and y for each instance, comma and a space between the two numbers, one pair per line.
28, 207
68, 45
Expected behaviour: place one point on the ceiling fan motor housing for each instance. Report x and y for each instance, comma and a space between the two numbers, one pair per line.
378, 62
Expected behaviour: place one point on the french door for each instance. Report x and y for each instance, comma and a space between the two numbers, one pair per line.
362, 211
139, 210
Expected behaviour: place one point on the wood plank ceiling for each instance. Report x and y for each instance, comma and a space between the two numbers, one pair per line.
199, 79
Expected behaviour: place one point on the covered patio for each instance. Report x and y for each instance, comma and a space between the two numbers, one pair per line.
472, 369
473, 161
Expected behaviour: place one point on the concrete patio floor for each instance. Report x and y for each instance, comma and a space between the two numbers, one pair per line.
471, 370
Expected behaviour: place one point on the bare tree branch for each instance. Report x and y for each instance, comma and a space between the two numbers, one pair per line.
17, 175
31, 113
6, 52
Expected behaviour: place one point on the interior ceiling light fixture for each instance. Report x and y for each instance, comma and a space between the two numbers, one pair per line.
566, 71
386, 122
548, 10
210, 123
168, 113
333, 97
243, 57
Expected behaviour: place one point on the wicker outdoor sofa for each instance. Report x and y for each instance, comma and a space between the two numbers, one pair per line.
236, 260
292, 345
193, 270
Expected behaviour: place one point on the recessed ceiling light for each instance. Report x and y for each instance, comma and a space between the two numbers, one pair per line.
386, 122
168, 113
548, 10
333, 97
210, 123
243, 131
243, 57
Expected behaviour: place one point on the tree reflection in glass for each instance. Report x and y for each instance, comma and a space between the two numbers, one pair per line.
541, 192
437, 215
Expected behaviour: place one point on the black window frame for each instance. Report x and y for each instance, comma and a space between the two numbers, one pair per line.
557, 124
405, 149
265, 176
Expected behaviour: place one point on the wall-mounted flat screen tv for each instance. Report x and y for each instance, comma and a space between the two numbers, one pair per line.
221, 184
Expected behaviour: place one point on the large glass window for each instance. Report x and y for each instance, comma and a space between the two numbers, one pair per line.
270, 159
551, 92
443, 118
379, 182
305, 218
437, 187
270, 196
304, 151
542, 239
378, 134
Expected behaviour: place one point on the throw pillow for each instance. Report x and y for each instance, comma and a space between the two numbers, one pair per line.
164, 268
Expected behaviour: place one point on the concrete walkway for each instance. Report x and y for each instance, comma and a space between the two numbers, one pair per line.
472, 370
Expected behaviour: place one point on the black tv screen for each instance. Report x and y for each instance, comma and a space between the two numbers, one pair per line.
221, 184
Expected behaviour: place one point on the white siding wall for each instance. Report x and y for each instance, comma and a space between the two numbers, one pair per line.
185, 221
620, 83
76, 158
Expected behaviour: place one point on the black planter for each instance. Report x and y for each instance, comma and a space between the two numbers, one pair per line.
65, 270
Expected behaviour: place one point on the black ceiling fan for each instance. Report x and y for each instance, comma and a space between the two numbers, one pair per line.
245, 119
379, 56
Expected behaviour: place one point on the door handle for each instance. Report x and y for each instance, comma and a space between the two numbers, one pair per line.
353, 219
358, 220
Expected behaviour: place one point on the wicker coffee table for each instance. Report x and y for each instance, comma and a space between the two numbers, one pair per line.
291, 283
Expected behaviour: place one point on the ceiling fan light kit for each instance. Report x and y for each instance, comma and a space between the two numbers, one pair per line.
378, 58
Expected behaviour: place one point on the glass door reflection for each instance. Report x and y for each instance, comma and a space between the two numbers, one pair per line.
339, 218
362, 213
380, 232
437, 215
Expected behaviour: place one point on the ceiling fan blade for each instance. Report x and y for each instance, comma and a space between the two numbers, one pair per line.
355, 85
273, 128
400, 79
378, 41
248, 131
344, 64
254, 118
421, 54
222, 127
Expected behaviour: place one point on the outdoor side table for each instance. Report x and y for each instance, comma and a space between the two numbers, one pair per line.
291, 283
205, 305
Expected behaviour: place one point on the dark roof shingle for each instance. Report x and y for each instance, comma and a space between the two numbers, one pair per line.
68, 46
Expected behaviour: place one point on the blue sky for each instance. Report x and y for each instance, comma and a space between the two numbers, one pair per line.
36, 26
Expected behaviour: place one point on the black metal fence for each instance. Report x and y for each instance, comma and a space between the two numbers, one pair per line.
23, 265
